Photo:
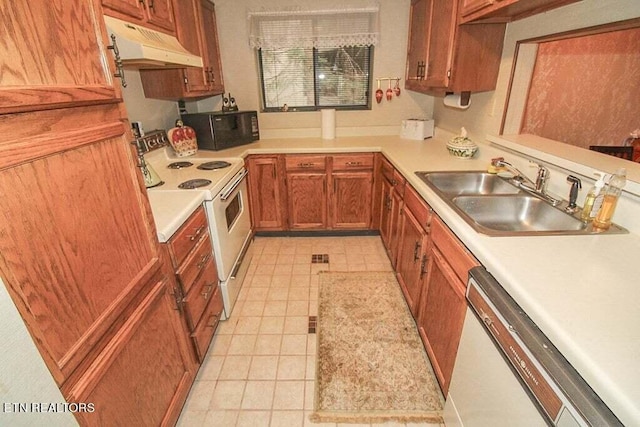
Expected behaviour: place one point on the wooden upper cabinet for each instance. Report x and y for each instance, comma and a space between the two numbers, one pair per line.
196, 29
63, 65
156, 14
505, 10
446, 57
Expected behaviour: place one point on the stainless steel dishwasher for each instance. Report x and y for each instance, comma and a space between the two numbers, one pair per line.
508, 373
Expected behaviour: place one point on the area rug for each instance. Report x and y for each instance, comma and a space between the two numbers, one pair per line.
371, 364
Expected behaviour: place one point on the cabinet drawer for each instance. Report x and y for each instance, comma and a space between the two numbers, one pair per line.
188, 236
353, 162
295, 162
456, 254
195, 263
387, 169
200, 293
208, 323
418, 207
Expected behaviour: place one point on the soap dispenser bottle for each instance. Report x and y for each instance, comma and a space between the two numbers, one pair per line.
593, 200
609, 202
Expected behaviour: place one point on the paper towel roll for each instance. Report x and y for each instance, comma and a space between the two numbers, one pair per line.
455, 100
328, 124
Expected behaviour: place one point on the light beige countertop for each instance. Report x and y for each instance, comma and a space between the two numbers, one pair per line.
581, 291
172, 208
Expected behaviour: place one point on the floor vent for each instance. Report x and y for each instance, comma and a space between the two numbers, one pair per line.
320, 259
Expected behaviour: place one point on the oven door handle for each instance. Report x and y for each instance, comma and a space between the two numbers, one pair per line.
226, 193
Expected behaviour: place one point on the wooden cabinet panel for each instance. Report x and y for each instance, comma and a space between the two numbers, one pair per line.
188, 236
54, 57
410, 254
82, 244
457, 255
386, 207
267, 192
297, 162
203, 334
351, 162
439, 50
144, 374
393, 184
351, 199
307, 200
212, 48
505, 10
195, 263
202, 291
417, 49
156, 14
441, 316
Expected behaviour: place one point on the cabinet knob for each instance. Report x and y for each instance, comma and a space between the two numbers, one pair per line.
206, 293
203, 261
196, 233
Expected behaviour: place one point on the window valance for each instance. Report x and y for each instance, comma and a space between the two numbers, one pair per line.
319, 28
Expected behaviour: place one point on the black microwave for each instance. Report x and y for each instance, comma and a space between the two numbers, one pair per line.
219, 130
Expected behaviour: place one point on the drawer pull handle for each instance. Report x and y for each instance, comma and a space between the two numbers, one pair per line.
195, 235
353, 164
423, 264
214, 322
203, 261
415, 251
306, 165
206, 293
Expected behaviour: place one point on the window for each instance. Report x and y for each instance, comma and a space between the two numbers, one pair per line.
312, 59
314, 78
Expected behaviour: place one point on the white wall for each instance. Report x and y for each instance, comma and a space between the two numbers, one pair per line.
485, 113
24, 378
241, 77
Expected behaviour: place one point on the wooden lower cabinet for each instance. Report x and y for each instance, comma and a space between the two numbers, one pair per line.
267, 194
307, 200
143, 375
442, 304
393, 184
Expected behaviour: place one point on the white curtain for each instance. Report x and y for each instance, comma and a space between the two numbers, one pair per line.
319, 28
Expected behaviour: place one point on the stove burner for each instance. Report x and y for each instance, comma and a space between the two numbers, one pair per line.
216, 164
194, 183
179, 165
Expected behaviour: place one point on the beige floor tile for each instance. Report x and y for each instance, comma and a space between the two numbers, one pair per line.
299, 294
261, 281
227, 395
235, 368
296, 325
221, 418
309, 390
252, 308
258, 395
302, 268
247, 325
293, 345
265, 268
263, 368
242, 345
283, 269
357, 267
210, 368
275, 308
257, 294
268, 345
313, 306
292, 367
252, 268
301, 258
310, 373
278, 294
254, 419
304, 249
317, 268
287, 419
288, 249
192, 419
338, 258
220, 344
298, 308
281, 280
379, 267
312, 343
300, 280
334, 266
272, 325
200, 396
226, 327
268, 258
289, 395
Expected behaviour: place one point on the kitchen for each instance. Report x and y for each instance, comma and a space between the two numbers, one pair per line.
382, 121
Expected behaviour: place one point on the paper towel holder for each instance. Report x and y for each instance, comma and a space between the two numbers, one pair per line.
465, 99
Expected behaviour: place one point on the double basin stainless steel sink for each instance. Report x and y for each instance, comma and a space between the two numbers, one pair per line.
495, 206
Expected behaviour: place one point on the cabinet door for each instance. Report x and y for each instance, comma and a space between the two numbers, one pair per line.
132, 8
394, 229
351, 199
144, 374
307, 200
160, 14
212, 48
386, 201
53, 57
189, 32
440, 50
266, 192
409, 265
441, 316
418, 40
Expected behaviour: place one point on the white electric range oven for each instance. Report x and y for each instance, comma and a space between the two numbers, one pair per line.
223, 182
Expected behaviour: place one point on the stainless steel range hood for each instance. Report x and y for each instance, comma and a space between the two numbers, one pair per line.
141, 47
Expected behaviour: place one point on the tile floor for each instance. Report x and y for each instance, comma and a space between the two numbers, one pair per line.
260, 368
